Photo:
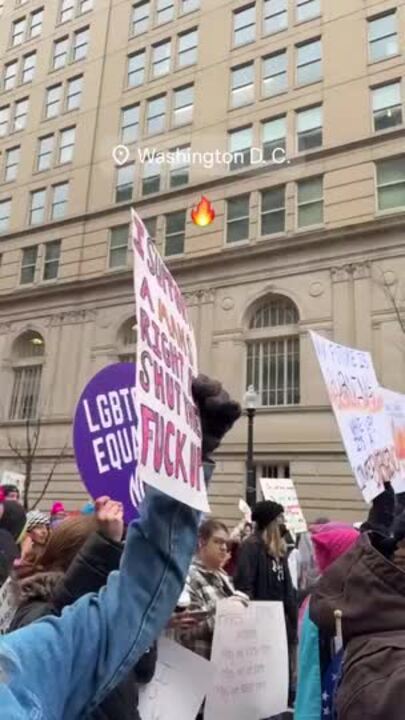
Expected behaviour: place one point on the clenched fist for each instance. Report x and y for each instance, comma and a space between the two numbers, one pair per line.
110, 518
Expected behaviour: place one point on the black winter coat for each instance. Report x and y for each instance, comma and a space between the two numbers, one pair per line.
48, 593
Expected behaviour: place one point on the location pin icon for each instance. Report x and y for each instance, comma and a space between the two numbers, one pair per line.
120, 154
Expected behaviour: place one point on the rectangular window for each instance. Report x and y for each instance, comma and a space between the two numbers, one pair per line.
243, 88
309, 128
67, 10
37, 209
188, 6
273, 211
45, 152
4, 120
307, 9
310, 202
118, 252
51, 261
28, 67
125, 183
85, 6
274, 367
18, 32
156, 115
60, 53
309, 63
20, 114
180, 168
26, 388
140, 17
391, 183
130, 124
150, 224
60, 197
240, 144
175, 233
161, 58
5, 209
187, 48
164, 11
151, 177
11, 167
80, 44
275, 17
10, 75
136, 69
274, 69
237, 223
244, 25
28, 265
383, 37
274, 134
74, 93
36, 23
387, 106
53, 101
183, 106
66, 145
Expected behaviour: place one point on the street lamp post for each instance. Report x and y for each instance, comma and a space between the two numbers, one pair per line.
250, 401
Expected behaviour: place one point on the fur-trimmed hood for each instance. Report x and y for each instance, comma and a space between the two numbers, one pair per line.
38, 587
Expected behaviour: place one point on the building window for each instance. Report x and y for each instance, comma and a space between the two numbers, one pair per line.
273, 136
273, 352
183, 106
309, 128
60, 196
242, 91
37, 209
383, 37
11, 166
240, 145
28, 358
140, 17
244, 25
175, 233
28, 67
156, 115
161, 59
127, 338
60, 53
187, 48
18, 32
53, 101
309, 68
28, 265
51, 261
188, 6
125, 183
275, 16
4, 120
387, 106
130, 124
237, 222
136, 69
80, 44
85, 6
164, 11
273, 211
151, 177
274, 68
36, 23
10, 75
150, 224
118, 254
308, 9
74, 93
20, 114
180, 168
67, 10
66, 145
310, 202
45, 152
391, 183
5, 209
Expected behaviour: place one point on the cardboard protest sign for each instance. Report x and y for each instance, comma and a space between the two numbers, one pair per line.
358, 404
170, 433
251, 657
282, 491
8, 605
9, 477
181, 681
394, 404
104, 437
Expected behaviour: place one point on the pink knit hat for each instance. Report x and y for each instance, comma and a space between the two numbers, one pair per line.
57, 507
332, 541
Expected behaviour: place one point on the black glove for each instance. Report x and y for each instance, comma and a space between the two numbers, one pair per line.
382, 513
217, 411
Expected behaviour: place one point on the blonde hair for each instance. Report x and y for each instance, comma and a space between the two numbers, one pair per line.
276, 546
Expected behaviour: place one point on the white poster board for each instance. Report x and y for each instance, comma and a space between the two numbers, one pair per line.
8, 605
169, 428
9, 477
358, 403
181, 681
395, 408
251, 657
282, 491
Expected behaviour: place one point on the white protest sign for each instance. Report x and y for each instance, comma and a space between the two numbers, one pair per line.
181, 681
358, 404
9, 477
395, 408
245, 510
250, 653
282, 491
8, 605
169, 427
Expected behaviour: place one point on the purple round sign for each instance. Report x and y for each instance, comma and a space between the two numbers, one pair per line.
104, 437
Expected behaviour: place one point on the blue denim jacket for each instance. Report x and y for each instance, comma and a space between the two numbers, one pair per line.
61, 668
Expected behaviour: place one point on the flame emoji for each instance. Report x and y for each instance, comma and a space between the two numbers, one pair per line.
204, 213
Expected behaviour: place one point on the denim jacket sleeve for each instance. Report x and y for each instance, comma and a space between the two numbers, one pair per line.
61, 668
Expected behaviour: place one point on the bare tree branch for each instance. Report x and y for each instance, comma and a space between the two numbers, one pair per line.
15, 449
50, 476
391, 296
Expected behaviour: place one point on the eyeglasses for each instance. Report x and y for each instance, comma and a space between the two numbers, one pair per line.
220, 542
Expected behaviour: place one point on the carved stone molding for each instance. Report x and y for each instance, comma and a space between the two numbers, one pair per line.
199, 296
228, 303
5, 328
355, 271
72, 317
316, 289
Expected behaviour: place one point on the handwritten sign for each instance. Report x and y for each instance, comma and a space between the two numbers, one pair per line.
358, 404
170, 430
8, 605
9, 477
181, 681
282, 491
251, 657
395, 408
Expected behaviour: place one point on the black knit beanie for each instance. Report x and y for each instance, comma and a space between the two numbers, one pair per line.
265, 512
